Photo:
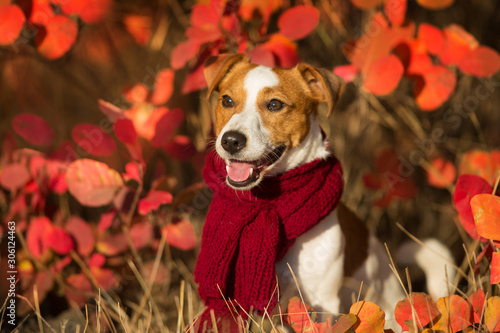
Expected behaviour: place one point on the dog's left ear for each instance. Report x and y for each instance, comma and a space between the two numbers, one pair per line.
324, 86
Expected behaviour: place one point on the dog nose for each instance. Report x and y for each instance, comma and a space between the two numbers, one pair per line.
233, 141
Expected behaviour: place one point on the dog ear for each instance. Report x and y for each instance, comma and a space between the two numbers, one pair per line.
324, 86
216, 68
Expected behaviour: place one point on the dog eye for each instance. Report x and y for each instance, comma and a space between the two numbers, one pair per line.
275, 105
227, 101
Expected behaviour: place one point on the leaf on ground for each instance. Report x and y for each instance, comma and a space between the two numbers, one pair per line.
481, 62
180, 234
92, 183
492, 314
344, 323
371, 317
297, 314
477, 300
153, 201
424, 307
455, 314
14, 176
383, 75
93, 139
299, 21
33, 129
12, 20
82, 234
486, 211
60, 36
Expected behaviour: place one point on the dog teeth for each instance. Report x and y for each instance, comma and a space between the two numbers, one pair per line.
227, 168
251, 172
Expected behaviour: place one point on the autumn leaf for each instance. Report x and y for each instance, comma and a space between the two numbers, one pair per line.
140, 27
477, 301
33, 129
434, 87
59, 240
297, 315
481, 62
136, 93
395, 11
125, 130
90, 11
112, 245
371, 317
164, 87
38, 229
435, 4
495, 268
92, 183
424, 307
182, 53
455, 314
347, 72
180, 147
299, 21
82, 233
60, 36
366, 4
432, 37
142, 234
14, 176
153, 201
93, 139
492, 314
166, 126
442, 173
486, 212
11, 23
180, 235
481, 163
457, 44
383, 75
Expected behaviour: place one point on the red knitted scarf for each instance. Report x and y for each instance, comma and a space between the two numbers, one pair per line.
247, 232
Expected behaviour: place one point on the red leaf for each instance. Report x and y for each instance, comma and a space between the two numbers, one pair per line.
395, 11
347, 72
414, 56
442, 174
90, 11
180, 235
141, 234
104, 277
203, 15
96, 260
432, 37
82, 233
153, 201
93, 140
284, 49
181, 148
436, 87
92, 183
164, 86
38, 228
145, 119
495, 268
140, 27
435, 4
60, 36
112, 245
371, 317
14, 176
182, 53
467, 187
366, 4
261, 55
425, 310
194, 81
33, 129
166, 126
455, 314
298, 22
136, 93
125, 130
11, 23
481, 163
456, 44
486, 212
83, 288
59, 240
383, 76
133, 171
492, 314
482, 62
111, 111
106, 221
477, 300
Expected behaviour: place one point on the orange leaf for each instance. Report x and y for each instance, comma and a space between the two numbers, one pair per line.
435, 4
383, 76
139, 26
495, 268
11, 23
92, 183
14, 176
457, 43
182, 53
60, 36
344, 323
366, 4
298, 22
425, 310
432, 37
455, 314
180, 235
442, 173
482, 62
477, 300
481, 163
395, 11
371, 316
164, 86
492, 314
435, 87
284, 49
486, 211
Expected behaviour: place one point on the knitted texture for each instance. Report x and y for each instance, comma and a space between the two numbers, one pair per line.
247, 232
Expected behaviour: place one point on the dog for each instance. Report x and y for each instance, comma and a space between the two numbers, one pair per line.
265, 120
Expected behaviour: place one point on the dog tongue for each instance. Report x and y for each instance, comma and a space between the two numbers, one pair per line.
239, 171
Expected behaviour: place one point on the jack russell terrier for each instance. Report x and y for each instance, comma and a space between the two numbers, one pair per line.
276, 200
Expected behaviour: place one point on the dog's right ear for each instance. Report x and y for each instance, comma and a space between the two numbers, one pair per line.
216, 68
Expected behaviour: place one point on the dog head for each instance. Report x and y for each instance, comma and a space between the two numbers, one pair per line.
263, 114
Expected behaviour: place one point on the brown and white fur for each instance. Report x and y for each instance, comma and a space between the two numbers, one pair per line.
265, 122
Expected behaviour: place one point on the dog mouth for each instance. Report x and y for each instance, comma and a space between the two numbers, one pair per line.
244, 173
